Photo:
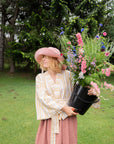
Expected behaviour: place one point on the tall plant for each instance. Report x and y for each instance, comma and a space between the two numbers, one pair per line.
88, 58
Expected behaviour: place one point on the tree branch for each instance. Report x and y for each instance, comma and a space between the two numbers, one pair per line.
12, 21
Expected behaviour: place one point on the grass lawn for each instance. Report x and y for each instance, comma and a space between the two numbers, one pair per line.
18, 124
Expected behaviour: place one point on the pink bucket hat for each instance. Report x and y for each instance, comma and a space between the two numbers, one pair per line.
49, 51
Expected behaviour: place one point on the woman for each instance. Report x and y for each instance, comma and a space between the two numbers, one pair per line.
53, 88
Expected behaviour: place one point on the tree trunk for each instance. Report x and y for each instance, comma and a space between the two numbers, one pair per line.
12, 24
12, 65
1, 42
12, 61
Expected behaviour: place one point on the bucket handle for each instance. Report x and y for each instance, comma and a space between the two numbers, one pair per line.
85, 101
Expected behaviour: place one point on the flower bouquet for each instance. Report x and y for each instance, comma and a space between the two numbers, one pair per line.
88, 60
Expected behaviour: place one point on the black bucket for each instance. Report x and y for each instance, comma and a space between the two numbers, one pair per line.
80, 99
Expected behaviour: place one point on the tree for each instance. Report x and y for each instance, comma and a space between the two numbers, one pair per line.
86, 13
11, 10
37, 29
109, 22
1, 39
36, 24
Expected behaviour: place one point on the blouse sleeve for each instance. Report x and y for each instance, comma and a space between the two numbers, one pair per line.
49, 103
71, 80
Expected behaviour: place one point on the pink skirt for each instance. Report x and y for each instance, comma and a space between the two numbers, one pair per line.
67, 131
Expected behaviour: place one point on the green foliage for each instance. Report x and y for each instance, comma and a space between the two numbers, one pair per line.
110, 28
87, 59
92, 47
37, 22
29, 56
109, 22
86, 13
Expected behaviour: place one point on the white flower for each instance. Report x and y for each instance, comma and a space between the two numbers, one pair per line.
81, 76
81, 50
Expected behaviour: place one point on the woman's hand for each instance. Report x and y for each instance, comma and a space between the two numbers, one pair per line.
69, 110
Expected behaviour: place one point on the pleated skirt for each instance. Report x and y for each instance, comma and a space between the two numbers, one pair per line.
67, 131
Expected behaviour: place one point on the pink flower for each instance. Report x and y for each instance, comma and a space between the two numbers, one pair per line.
107, 72
80, 56
104, 34
80, 42
83, 66
96, 89
78, 35
108, 86
83, 70
69, 42
79, 61
71, 66
107, 53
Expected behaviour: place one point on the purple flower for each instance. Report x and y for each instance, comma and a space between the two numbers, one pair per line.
89, 68
103, 47
74, 47
74, 51
68, 59
61, 28
93, 63
102, 42
75, 54
97, 36
100, 24
62, 33
82, 29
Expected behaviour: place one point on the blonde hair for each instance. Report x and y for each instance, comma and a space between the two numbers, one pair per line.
54, 65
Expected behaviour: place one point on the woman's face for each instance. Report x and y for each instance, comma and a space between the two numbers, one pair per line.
46, 61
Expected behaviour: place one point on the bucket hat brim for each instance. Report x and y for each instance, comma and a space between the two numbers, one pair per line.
49, 51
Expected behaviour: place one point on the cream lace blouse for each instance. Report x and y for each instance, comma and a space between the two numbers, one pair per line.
51, 97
